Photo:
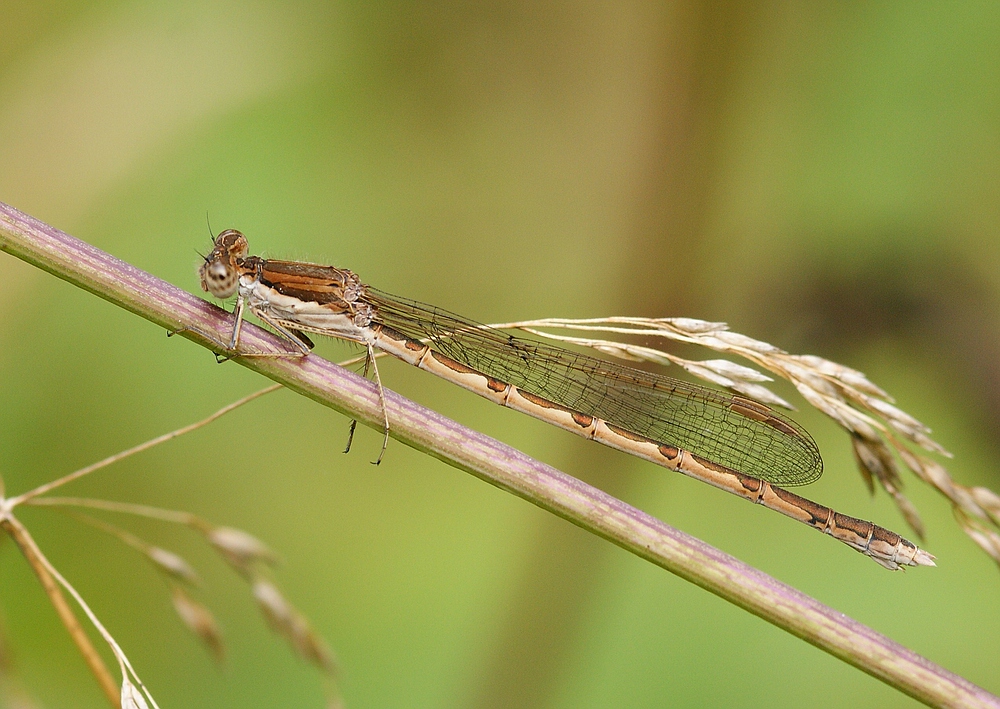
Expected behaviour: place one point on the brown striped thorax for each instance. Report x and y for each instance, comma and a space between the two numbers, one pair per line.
302, 296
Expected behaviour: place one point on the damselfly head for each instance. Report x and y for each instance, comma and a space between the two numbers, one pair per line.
219, 274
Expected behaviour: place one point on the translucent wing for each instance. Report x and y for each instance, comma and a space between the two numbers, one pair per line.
731, 430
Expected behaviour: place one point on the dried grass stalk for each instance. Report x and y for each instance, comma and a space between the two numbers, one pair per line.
880, 431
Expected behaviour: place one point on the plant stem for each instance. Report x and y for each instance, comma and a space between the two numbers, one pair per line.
492, 461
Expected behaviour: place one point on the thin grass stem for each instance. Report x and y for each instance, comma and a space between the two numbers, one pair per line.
175, 516
59, 482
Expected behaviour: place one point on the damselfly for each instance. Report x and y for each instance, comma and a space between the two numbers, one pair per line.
726, 440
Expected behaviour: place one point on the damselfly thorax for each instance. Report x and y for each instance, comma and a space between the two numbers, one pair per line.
727, 440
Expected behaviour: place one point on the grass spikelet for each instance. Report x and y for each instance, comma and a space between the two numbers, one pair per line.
286, 620
243, 551
200, 621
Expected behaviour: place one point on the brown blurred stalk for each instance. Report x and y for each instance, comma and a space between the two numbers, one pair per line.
90, 655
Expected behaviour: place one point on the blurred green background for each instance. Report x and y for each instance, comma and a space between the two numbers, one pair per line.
821, 176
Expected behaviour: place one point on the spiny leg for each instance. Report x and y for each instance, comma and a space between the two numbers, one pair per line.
233, 341
277, 327
211, 338
350, 435
354, 422
381, 399
302, 343
237, 324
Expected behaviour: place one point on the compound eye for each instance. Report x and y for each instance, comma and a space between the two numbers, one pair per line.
218, 272
220, 279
